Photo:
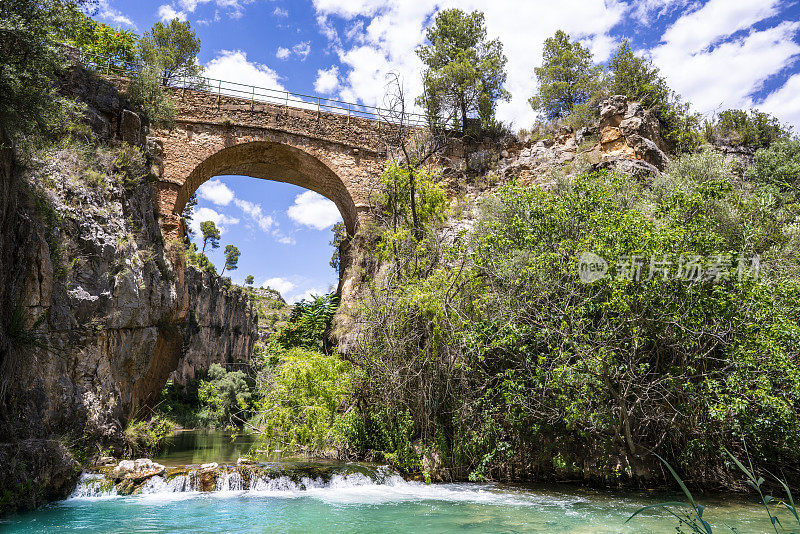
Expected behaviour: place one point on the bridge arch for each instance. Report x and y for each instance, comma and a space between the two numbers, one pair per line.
276, 161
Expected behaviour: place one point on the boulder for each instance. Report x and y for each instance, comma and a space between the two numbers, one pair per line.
138, 470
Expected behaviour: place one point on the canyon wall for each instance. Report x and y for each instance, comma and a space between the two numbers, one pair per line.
97, 309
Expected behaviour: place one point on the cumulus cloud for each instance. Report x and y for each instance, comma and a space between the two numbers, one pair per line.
308, 294
327, 80
207, 214
302, 49
265, 222
281, 285
108, 13
166, 13
314, 210
278, 12
283, 53
216, 191
702, 53
233, 66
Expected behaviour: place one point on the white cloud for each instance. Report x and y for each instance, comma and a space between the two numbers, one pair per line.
645, 10
308, 294
278, 12
166, 13
711, 74
265, 222
232, 66
282, 238
283, 53
785, 102
207, 214
281, 285
314, 210
302, 49
699, 29
106, 12
234, 9
327, 80
216, 191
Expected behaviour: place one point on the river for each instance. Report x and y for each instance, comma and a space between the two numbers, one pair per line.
357, 499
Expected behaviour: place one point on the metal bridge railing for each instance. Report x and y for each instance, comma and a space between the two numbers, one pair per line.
219, 88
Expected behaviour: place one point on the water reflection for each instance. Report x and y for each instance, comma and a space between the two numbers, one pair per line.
204, 446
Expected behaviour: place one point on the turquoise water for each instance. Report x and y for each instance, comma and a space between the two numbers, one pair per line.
290, 497
358, 505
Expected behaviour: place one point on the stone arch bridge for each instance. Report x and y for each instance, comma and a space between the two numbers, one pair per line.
338, 156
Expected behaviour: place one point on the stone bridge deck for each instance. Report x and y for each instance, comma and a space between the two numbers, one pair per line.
333, 154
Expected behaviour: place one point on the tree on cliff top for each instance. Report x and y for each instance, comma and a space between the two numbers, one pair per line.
637, 78
30, 106
231, 259
173, 49
568, 77
465, 72
210, 233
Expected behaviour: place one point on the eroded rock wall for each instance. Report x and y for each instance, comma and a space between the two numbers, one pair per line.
95, 305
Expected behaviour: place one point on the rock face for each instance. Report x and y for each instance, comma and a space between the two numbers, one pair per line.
221, 327
629, 132
95, 305
627, 138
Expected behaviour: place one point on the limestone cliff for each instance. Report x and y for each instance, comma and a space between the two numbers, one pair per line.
97, 310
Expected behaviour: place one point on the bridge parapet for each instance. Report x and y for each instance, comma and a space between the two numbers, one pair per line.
357, 132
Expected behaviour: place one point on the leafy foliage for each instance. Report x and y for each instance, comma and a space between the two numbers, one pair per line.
308, 323
231, 258
464, 73
305, 406
568, 77
211, 234
145, 90
199, 260
778, 165
756, 129
226, 398
31, 110
339, 236
98, 40
503, 358
172, 50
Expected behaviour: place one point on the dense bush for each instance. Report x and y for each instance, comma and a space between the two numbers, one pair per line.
755, 129
308, 324
305, 403
508, 365
31, 110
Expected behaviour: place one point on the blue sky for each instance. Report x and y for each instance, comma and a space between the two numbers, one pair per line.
717, 54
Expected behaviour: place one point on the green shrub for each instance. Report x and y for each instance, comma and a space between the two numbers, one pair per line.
756, 129
145, 90
147, 436
306, 404
778, 165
